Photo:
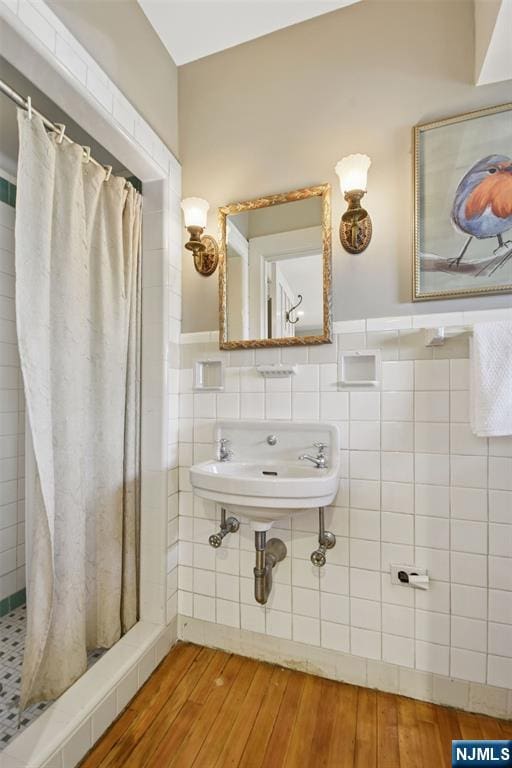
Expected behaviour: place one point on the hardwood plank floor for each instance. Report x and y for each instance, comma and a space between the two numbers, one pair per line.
208, 709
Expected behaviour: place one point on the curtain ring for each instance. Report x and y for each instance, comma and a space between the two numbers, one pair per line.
87, 151
29, 107
108, 169
60, 135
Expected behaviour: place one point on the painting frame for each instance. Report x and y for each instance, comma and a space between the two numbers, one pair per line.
419, 293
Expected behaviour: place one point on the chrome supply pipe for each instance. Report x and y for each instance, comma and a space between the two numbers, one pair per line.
227, 525
326, 540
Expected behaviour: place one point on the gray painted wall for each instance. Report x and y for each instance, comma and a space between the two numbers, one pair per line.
277, 114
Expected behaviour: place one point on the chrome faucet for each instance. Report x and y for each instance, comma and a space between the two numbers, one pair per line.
225, 453
320, 460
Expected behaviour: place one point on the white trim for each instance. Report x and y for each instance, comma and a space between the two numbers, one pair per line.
237, 241
388, 323
349, 326
348, 668
200, 337
41, 30
237, 301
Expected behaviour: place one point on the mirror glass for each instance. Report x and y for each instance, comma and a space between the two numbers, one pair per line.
274, 272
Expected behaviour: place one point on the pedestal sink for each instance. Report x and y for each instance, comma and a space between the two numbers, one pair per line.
263, 478
266, 471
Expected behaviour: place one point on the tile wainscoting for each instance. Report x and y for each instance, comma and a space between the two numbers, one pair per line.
416, 486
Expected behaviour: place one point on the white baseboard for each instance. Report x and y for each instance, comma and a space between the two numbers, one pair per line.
472, 697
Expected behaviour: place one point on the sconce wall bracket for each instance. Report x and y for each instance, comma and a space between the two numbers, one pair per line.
355, 224
205, 250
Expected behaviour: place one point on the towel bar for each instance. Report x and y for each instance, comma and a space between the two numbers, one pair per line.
436, 337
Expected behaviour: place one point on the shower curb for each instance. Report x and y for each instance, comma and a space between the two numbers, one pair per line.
68, 729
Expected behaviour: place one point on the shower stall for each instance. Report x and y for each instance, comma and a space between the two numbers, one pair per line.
97, 114
37, 526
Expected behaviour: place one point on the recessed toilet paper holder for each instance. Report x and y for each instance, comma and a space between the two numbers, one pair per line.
410, 576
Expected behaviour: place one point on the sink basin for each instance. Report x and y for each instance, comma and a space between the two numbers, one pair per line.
266, 482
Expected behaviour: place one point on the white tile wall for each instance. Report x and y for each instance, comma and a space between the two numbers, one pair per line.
416, 486
12, 423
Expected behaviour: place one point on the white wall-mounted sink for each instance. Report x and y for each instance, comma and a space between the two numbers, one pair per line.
266, 482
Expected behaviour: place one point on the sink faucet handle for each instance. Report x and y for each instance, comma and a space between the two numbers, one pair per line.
225, 453
321, 446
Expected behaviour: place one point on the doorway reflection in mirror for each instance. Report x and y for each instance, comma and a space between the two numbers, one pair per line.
274, 264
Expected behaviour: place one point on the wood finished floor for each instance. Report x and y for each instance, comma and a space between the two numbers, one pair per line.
208, 709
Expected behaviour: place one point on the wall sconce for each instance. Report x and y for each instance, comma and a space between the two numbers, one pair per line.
204, 247
355, 224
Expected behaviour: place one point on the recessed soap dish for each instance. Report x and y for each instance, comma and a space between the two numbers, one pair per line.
208, 375
359, 369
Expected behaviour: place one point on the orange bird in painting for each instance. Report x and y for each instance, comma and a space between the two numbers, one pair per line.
483, 204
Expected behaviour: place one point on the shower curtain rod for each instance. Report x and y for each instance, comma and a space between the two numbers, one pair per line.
58, 128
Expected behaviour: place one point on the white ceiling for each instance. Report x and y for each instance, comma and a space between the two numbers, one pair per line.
191, 29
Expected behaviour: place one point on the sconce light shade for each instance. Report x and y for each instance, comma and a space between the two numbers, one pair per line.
355, 224
195, 211
353, 172
204, 247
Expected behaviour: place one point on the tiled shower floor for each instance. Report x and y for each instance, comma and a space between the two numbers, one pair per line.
12, 642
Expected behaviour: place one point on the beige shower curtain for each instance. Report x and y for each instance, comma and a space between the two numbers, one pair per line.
78, 318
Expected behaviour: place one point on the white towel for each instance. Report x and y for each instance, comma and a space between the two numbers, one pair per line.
491, 379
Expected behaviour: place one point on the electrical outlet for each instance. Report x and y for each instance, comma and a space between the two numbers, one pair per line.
400, 573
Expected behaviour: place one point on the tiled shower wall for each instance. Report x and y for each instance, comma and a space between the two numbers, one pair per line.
416, 487
12, 419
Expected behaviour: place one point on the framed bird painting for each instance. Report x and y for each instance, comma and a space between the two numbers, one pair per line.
463, 205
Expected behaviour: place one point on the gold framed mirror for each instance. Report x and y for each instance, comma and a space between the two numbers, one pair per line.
275, 271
